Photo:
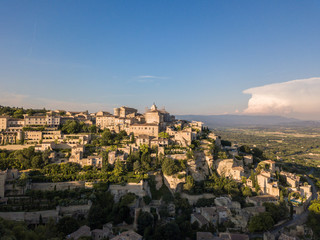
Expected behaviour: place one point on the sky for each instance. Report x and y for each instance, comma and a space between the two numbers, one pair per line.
193, 57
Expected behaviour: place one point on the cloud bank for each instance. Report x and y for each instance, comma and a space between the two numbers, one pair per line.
298, 98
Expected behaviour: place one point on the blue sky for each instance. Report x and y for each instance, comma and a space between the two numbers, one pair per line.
194, 57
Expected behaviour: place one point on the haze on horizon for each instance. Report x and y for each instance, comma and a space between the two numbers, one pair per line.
203, 57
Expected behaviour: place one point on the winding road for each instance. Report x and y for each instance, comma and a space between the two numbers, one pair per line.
298, 220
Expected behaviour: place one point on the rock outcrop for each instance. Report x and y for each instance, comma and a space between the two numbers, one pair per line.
173, 182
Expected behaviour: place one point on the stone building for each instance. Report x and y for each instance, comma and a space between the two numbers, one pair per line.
143, 139
201, 220
121, 120
153, 115
267, 185
269, 165
83, 231
78, 115
7, 137
237, 173
95, 161
11, 124
51, 135
114, 156
3, 122
128, 235
44, 146
7, 175
75, 139
292, 179
33, 136
42, 120
105, 120
125, 112
150, 129
306, 191
183, 137
206, 236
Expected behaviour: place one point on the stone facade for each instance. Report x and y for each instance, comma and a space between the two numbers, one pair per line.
7, 137
125, 112
271, 164
44, 146
33, 136
237, 173
47, 120
3, 123
292, 179
149, 129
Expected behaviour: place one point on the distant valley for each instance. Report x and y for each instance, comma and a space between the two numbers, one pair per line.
216, 121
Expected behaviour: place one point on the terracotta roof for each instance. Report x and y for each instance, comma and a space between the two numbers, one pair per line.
201, 218
234, 236
209, 210
205, 236
269, 161
144, 136
128, 235
36, 116
82, 231
144, 124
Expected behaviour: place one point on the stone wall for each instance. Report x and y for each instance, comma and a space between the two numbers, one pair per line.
83, 209
59, 185
31, 217
140, 189
16, 147
177, 156
192, 199
34, 217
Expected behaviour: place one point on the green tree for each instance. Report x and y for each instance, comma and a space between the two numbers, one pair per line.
278, 211
261, 222
245, 149
170, 166
246, 192
37, 162
136, 166
93, 128
70, 126
169, 231
18, 113
189, 183
163, 135
314, 218
145, 220
144, 148
67, 225
119, 168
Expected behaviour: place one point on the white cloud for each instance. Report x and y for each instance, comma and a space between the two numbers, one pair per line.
150, 77
299, 98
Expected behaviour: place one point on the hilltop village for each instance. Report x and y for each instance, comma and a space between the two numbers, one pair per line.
126, 175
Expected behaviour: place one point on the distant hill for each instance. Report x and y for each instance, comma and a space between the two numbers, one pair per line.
245, 120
